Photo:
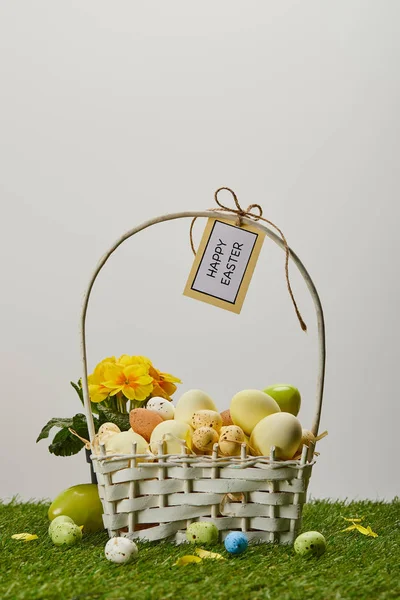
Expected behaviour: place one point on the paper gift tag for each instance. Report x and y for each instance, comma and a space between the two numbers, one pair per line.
224, 264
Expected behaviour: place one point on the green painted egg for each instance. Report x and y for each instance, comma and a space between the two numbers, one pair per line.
66, 534
202, 533
60, 519
310, 543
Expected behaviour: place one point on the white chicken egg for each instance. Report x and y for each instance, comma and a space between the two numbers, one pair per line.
120, 550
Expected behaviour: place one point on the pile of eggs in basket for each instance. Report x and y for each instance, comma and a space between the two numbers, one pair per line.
259, 419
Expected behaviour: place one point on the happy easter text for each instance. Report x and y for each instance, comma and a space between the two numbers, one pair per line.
229, 261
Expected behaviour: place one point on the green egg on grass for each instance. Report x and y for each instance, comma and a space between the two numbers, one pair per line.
60, 519
202, 532
66, 534
310, 543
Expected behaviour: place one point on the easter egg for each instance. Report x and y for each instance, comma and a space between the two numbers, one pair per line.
174, 434
60, 519
206, 418
286, 396
281, 430
226, 418
143, 421
105, 431
310, 543
108, 429
121, 443
202, 532
82, 504
306, 437
67, 534
204, 438
230, 440
162, 407
249, 407
190, 402
120, 550
236, 542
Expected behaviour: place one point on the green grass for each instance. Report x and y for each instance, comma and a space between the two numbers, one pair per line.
354, 566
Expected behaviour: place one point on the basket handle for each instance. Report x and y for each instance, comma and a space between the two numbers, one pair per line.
230, 217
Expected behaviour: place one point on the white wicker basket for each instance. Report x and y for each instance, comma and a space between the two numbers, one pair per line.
157, 498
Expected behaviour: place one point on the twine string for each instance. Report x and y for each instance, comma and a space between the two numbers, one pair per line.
249, 213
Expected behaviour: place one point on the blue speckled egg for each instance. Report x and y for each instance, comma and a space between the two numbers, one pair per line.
236, 542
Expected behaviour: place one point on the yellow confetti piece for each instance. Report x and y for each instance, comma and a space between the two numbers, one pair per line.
25, 537
206, 554
187, 560
356, 526
351, 528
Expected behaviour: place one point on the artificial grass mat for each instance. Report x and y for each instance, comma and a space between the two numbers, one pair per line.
354, 566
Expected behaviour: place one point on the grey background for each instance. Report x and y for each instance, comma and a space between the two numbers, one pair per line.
115, 112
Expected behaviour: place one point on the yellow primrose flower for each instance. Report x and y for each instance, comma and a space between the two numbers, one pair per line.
164, 383
97, 390
126, 360
133, 381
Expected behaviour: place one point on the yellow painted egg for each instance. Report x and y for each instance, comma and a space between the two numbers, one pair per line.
282, 430
249, 407
121, 443
175, 434
230, 440
207, 418
190, 402
204, 438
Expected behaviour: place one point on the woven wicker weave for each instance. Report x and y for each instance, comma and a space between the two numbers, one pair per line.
155, 498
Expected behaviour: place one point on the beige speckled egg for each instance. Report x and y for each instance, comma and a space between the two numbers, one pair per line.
306, 437
163, 407
282, 430
175, 434
206, 418
226, 418
230, 440
108, 428
190, 402
204, 438
105, 431
121, 443
143, 421
249, 407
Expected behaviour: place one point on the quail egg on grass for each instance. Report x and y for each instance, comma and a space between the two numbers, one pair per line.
202, 532
120, 550
65, 533
310, 543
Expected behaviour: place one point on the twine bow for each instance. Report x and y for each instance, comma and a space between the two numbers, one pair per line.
256, 217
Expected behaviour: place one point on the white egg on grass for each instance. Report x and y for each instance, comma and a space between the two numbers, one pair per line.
120, 550
162, 407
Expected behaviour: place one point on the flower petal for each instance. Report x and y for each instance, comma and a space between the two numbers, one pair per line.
26, 537
366, 531
187, 560
206, 554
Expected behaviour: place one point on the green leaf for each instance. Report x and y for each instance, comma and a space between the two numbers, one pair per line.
53, 423
78, 388
79, 424
65, 443
109, 416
